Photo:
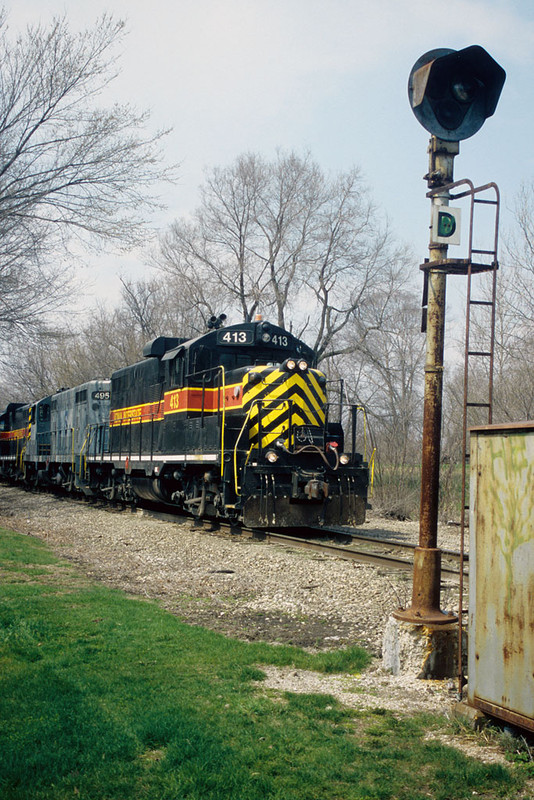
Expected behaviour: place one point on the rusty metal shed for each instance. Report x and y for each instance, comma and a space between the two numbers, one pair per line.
501, 580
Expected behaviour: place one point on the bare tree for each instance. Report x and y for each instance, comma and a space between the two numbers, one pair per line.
283, 238
69, 170
109, 340
212, 258
513, 397
384, 373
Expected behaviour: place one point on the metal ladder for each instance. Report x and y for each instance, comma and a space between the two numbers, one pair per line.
475, 353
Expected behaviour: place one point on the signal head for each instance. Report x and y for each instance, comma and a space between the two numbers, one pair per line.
453, 92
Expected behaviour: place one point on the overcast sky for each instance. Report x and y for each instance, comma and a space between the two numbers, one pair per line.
324, 76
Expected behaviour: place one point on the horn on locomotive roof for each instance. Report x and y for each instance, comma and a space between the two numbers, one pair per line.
216, 322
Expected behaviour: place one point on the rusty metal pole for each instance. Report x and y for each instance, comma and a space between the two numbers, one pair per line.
425, 606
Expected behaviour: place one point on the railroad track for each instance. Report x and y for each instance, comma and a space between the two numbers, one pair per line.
369, 550
389, 554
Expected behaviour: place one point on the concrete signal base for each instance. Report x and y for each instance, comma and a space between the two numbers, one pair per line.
429, 652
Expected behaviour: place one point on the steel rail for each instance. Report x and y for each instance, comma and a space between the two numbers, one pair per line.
409, 546
347, 552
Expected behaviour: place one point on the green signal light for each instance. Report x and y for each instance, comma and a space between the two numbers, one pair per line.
446, 224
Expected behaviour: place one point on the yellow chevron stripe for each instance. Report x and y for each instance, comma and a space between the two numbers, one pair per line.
301, 414
268, 420
309, 397
281, 429
252, 392
290, 388
271, 438
277, 392
319, 389
303, 390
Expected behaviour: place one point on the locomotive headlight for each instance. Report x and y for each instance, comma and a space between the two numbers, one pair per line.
271, 456
303, 365
265, 332
344, 459
290, 364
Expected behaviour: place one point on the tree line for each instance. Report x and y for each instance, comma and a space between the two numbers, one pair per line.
307, 249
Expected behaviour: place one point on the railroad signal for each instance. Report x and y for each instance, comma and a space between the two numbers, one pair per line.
453, 92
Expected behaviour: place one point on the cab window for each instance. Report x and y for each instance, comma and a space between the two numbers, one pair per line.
200, 366
177, 371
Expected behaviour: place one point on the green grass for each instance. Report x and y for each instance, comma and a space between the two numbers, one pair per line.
107, 696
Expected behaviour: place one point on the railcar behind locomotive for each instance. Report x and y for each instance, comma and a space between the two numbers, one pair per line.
233, 424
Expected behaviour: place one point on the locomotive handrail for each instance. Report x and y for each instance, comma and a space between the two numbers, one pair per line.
216, 372
97, 438
365, 426
372, 472
82, 459
91, 431
371, 458
222, 412
20, 456
354, 409
72, 467
244, 425
270, 403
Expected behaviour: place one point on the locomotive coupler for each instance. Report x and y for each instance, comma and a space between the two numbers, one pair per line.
316, 489
308, 486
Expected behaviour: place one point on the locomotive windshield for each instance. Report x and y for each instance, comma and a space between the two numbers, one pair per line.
231, 361
201, 370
